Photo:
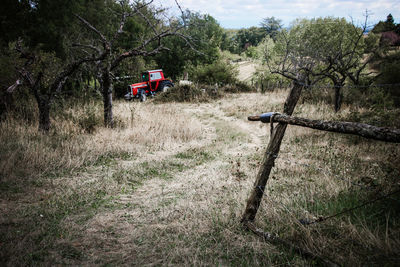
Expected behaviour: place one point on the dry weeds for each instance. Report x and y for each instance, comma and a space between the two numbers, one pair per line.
168, 187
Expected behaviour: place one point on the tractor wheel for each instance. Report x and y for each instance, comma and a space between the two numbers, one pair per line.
143, 97
165, 86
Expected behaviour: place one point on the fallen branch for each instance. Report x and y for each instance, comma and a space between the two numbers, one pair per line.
360, 129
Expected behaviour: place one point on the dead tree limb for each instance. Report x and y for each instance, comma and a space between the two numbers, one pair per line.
360, 129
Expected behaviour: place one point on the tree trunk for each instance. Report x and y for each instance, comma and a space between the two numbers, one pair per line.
270, 155
44, 115
107, 98
338, 97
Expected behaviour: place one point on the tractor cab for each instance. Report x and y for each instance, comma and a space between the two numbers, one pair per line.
153, 78
152, 81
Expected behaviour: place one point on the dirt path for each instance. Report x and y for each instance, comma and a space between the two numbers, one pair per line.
168, 188
246, 70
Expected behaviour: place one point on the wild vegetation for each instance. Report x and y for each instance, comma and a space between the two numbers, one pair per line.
122, 196
165, 182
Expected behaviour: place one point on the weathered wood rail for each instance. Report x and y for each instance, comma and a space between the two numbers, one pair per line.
355, 128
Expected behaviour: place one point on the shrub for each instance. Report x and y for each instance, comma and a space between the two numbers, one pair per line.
389, 69
190, 93
391, 79
374, 97
220, 72
378, 98
252, 52
238, 87
266, 81
381, 118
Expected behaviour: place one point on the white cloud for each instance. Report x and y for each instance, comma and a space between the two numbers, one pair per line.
246, 13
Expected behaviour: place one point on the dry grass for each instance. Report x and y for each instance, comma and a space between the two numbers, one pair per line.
169, 184
140, 129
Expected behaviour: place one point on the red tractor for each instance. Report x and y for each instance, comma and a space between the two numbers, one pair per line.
152, 81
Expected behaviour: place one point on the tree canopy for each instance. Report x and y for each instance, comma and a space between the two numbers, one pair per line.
322, 48
205, 39
272, 26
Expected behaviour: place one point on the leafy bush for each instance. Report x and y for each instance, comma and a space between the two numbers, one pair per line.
238, 87
374, 97
315, 95
190, 93
252, 52
219, 72
378, 98
266, 81
390, 77
382, 118
388, 65
226, 55
201, 92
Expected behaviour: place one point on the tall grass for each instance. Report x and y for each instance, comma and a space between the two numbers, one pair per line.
78, 139
319, 174
169, 184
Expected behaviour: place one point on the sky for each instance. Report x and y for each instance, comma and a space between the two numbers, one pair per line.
236, 14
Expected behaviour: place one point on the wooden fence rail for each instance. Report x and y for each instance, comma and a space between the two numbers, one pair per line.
360, 129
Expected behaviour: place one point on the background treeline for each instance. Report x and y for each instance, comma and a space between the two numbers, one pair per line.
357, 64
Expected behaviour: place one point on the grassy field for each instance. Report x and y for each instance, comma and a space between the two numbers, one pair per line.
169, 184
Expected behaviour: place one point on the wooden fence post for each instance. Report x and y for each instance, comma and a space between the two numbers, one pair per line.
270, 155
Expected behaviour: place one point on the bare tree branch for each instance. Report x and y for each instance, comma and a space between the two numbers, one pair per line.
87, 46
91, 27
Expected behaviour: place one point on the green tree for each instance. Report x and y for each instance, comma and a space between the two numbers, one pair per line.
272, 26
15, 18
205, 39
52, 23
249, 37
45, 75
47, 62
385, 26
229, 41
327, 48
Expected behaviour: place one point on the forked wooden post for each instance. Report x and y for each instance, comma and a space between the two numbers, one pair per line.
360, 129
270, 155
